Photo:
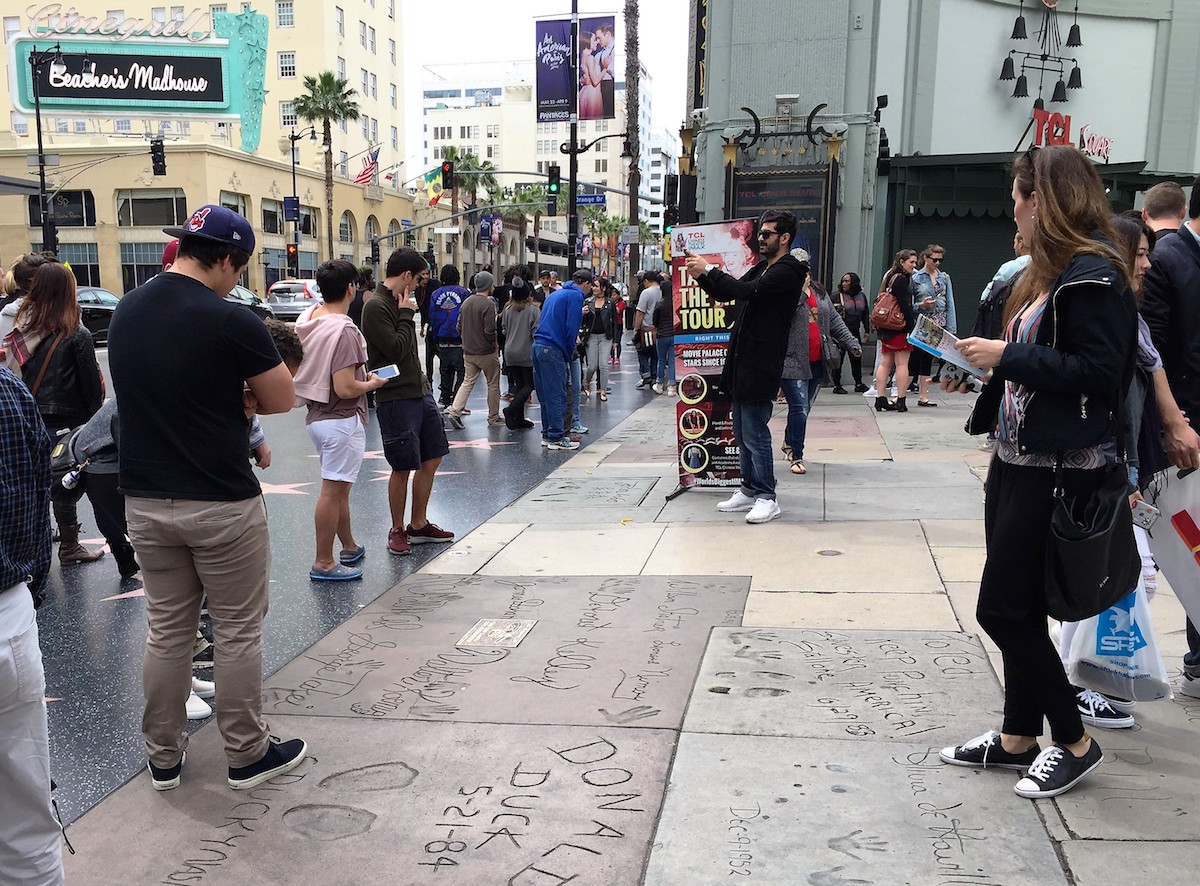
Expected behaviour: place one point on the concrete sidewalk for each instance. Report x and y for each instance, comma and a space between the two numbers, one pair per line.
696, 699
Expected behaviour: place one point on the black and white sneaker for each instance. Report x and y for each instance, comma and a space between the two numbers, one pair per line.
1190, 683
1057, 770
166, 779
986, 752
1095, 710
281, 757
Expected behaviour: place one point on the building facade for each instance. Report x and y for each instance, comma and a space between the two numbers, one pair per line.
109, 207
786, 110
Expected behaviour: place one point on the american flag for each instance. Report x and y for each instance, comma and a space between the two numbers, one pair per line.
370, 164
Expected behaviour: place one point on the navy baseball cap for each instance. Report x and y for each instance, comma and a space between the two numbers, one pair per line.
217, 223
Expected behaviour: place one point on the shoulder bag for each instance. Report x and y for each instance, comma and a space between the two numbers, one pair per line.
886, 313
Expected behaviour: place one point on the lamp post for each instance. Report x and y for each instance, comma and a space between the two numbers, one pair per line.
37, 60
573, 149
293, 137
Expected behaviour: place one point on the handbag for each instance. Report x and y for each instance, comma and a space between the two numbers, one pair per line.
1116, 653
886, 313
1091, 554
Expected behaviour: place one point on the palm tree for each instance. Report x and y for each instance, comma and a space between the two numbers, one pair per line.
471, 175
537, 197
327, 99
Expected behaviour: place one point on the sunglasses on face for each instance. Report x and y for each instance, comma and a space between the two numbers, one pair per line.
936, 260
767, 235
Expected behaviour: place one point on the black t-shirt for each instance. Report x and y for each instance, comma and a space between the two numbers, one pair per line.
179, 355
664, 318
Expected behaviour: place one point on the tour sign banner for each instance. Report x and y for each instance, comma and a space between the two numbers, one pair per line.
708, 455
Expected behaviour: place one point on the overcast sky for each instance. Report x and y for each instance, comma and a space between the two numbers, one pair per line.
484, 30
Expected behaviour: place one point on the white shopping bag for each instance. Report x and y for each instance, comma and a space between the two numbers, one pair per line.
1115, 652
1175, 535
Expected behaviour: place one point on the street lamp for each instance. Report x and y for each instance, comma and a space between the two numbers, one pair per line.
573, 149
294, 209
37, 61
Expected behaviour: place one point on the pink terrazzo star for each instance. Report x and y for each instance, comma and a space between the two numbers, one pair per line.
284, 488
481, 443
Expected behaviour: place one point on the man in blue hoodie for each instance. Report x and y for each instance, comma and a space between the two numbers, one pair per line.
553, 344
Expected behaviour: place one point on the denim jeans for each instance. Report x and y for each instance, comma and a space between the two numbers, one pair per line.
665, 348
648, 362
576, 388
550, 381
753, 438
800, 393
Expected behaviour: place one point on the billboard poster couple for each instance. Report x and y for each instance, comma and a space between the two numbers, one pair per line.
559, 91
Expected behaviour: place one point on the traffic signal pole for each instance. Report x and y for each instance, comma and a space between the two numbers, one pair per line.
573, 183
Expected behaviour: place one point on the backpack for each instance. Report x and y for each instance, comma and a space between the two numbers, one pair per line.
886, 313
444, 308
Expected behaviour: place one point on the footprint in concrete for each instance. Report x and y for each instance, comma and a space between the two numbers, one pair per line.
837, 767
328, 823
842, 789
377, 777
765, 692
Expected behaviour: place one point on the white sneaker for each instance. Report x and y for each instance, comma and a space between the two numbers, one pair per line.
197, 708
869, 393
657, 388
565, 443
671, 389
1190, 682
739, 501
764, 511
203, 688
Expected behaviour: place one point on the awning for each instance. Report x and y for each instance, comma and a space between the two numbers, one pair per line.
17, 186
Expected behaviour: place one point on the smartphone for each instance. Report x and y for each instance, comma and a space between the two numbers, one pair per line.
389, 371
1144, 515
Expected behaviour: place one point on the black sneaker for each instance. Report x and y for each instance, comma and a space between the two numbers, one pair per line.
1057, 770
1096, 710
165, 779
281, 757
985, 752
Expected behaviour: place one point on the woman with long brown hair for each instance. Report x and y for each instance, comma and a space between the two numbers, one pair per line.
894, 348
1054, 384
61, 372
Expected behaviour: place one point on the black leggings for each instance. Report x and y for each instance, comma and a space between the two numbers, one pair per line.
856, 323
1012, 597
522, 383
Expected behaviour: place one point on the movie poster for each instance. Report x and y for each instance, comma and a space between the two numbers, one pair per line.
708, 455
593, 92
597, 68
556, 89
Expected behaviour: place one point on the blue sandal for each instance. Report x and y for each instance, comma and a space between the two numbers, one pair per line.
350, 557
339, 572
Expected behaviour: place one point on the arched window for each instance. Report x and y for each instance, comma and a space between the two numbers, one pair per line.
346, 227
371, 228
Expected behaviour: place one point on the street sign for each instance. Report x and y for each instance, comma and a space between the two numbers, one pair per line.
629, 234
591, 199
291, 209
446, 230
31, 160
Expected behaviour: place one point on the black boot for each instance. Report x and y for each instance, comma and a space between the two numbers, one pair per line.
901, 406
127, 563
882, 405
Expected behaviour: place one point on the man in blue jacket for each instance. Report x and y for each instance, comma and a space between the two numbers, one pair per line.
553, 344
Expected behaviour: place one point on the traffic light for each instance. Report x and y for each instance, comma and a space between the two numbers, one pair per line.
447, 175
293, 261
374, 252
671, 189
554, 176
670, 219
158, 156
552, 205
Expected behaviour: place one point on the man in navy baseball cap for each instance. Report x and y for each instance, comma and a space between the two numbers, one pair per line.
219, 224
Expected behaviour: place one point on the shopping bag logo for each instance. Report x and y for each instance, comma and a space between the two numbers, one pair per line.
1117, 631
1186, 527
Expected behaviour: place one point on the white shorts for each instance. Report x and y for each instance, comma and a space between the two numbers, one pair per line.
340, 443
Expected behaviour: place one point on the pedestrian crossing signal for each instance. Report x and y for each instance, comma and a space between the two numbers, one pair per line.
447, 175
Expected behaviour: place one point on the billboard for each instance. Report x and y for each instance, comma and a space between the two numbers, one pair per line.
592, 93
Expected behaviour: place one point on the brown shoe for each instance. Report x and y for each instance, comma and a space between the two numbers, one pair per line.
71, 551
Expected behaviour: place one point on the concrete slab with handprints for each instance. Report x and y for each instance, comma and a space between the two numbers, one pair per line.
928, 686
605, 651
818, 812
589, 492
461, 804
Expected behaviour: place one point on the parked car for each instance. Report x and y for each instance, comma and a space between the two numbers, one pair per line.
97, 306
243, 296
291, 298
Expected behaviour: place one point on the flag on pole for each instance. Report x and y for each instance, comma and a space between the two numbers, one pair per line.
370, 164
433, 185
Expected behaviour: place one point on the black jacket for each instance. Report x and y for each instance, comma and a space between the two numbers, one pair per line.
71, 390
608, 316
1081, 360
1171, 308
767, 296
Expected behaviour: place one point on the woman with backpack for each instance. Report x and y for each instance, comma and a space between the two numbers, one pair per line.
894, 345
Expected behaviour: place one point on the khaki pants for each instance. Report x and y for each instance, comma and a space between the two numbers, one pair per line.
189, 549
489, 365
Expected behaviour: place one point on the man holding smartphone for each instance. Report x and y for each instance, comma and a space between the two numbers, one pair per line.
334, 387
414, 441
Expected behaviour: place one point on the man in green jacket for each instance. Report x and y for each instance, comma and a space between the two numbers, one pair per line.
409, 419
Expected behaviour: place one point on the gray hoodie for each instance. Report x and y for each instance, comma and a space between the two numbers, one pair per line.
519, 326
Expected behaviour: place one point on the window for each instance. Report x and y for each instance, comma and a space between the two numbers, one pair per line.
341, 68
602, 164
362, 34
177, 14
217, 8
62, 124
20, 126
392, 94
123, 126
602, 126
395, 139
140, 262
371, 40
541, 167
391, 9
374, 87
493, 130
364, 79
72, 209
287, 114
159, 14
236, 202
392, 50
285, 14
654, 163
374, 130
339, 20
365, 122
343, 164
346, 228
84, 259
437, 153
81, 127
308, 224
153, 208
287, 65
272, 217
342, 125
493, 152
